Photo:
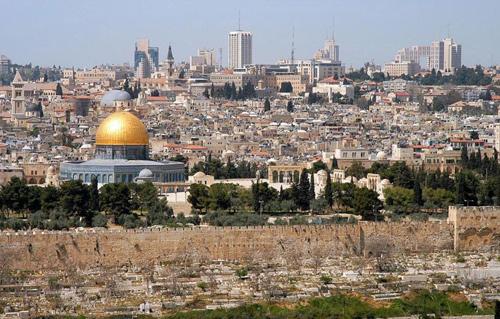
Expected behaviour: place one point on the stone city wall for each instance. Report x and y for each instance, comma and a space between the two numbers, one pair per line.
42, 250
475, 228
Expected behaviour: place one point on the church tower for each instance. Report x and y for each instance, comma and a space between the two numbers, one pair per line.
18, 95
170, 61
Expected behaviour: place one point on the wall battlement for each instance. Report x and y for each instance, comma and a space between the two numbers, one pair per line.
91, 248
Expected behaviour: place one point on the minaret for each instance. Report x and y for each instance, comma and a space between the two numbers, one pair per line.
170, 61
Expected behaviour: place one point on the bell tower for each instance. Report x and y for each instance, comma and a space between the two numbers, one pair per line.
18, 95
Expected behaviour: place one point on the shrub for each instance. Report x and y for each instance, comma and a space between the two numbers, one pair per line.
15, 224
99, 220
241, 273
37, 220
325, 279
202, 285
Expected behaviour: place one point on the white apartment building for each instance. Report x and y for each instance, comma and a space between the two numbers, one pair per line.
452, 55
239, 49
399, 68
330, 89
399, 85
444, 55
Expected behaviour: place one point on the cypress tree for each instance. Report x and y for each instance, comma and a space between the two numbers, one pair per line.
464, 156
267, 105
329, 190
312, 193
93, 198
461, 188
417, 190
59, 90
335, 163
302, 196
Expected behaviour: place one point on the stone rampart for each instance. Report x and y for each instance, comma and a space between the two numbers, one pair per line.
475, 228
41, 250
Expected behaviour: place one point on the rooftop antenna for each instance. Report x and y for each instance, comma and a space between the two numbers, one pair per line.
239, 21
292, 58
333, 29
220, 58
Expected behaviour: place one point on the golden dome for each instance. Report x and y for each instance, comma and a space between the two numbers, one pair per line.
122, 128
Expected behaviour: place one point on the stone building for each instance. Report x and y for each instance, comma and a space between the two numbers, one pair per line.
122, 152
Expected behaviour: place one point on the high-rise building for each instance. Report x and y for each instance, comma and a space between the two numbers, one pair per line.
4, 64
146, 58
239, 49
452, 55
436, 56
331, 51
444, 55
208, 55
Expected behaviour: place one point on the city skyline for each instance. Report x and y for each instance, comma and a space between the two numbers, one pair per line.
79, 41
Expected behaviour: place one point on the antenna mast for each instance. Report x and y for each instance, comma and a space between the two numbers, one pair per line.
292, 57
220, 58
239, 21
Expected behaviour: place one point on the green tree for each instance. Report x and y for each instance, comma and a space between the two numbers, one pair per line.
262, 194
75, 199
318, 165
335, 163
357, 170
438, 198
94, 195
464, 155
303, 195
467, 187
115, 200
399, 199
206, 93
198, 197
366, 203
400, 175
328, 193
49, 198
143, 195
159, 213
267, 105
286, 87
312, 193
290, 107
59, 90
417, 191
17, 196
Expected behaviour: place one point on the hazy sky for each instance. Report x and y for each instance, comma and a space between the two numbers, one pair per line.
91, 32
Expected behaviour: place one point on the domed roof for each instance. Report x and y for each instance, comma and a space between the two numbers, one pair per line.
51, 170
385, 181
321, 172
122, 128
199, 175
145, 173
110, 97
381, 156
